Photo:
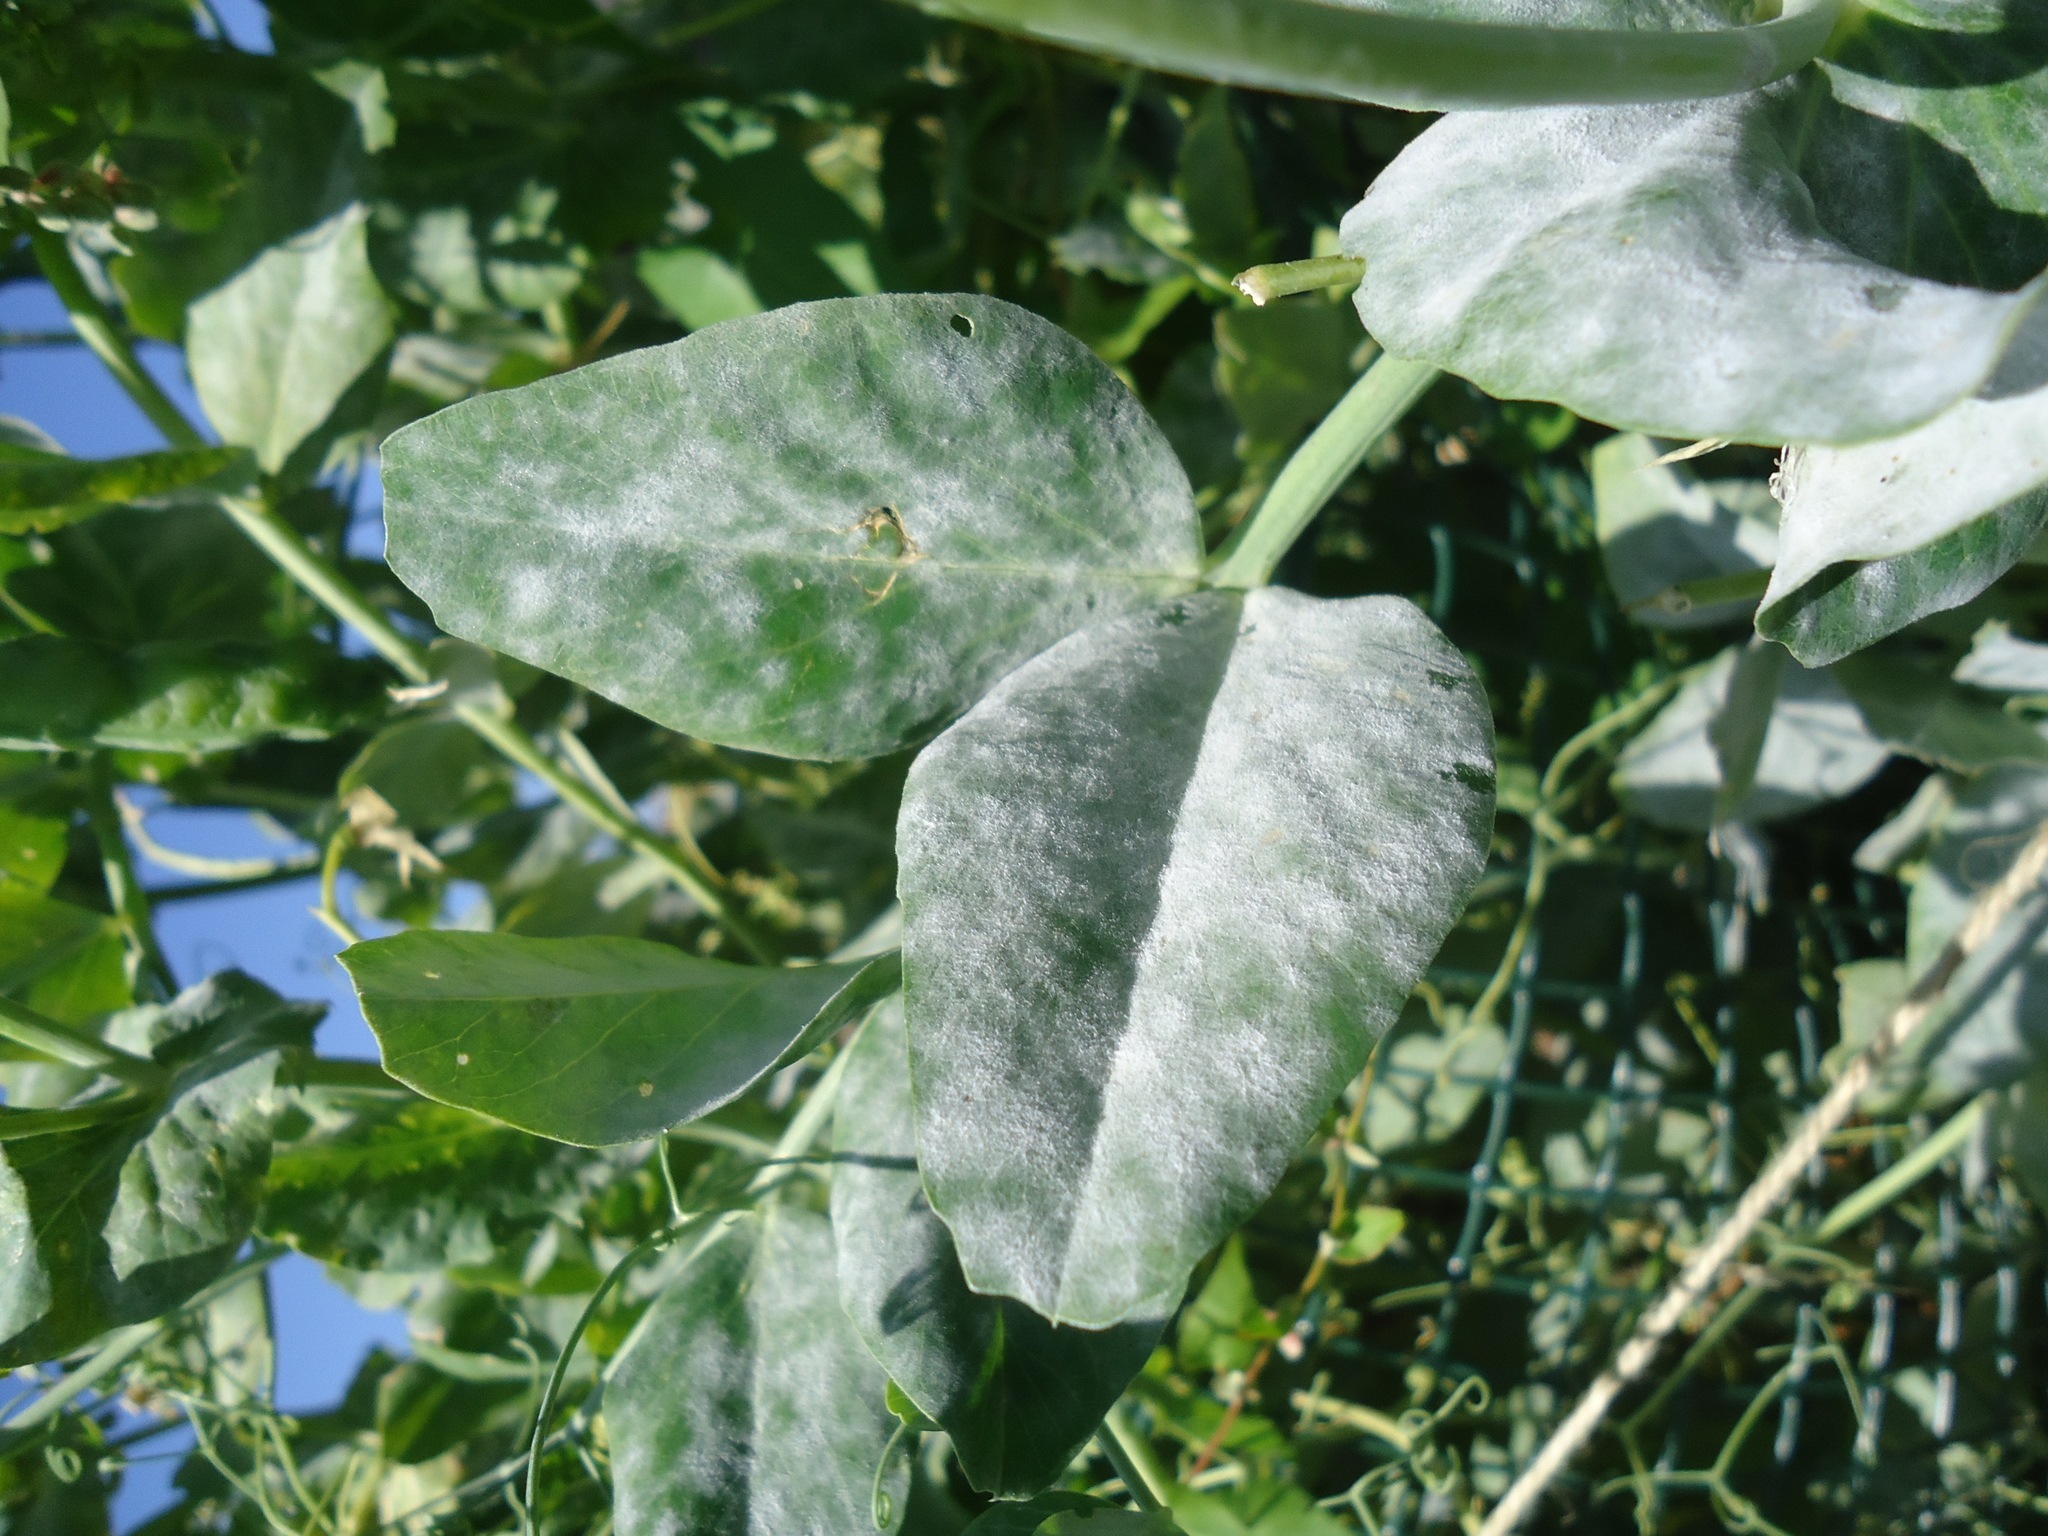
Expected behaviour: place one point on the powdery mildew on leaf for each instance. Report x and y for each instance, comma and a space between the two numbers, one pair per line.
1876, 536
1660, 268
1816, 747
1017, 1395
1163, 889
744, 1404
820, 532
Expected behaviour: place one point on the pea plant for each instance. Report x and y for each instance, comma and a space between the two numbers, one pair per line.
976, 875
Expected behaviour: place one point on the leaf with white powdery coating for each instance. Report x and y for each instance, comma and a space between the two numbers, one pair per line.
820, 532
1876, 536
1663, 268
1017, 1395
593, 1040
1432, 53
1163, 888
273, 349
744, 1404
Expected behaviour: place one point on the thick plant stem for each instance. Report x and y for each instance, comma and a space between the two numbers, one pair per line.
146, 963
1902, 1175
25, 1027
1382, 396
1262, 285
1133, 1459
96, 329
1770, 1189
279, 540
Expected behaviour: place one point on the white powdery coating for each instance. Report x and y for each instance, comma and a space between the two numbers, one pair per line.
24, 1280
1817, 747
1163, 889
1660, 268
1885, 499
696, 530
745, 1402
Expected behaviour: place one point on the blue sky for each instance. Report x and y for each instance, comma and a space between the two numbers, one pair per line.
322, 1333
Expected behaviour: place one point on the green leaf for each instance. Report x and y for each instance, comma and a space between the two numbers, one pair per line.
812, 568
1980, 91
1876, 536
175, 696
1372, 1230
1661, 530
403, 1187
363, 87
38, 494
433, 771
273, 350
1162, 890
1018, 1396
592, 1040
1665, 268
1026, 1518
31, 848
63, 961
1283, 366
697, 286
1428, 1082
2006, 1035
744, 1401
1428, 53
1817, 747
1999, 660
114, 1223
1925, 715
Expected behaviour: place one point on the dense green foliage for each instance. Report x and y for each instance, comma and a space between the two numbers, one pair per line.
919, 991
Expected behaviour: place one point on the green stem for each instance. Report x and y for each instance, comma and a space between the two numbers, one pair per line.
515, 744
1902, 1175
124, 892
20, 1124
349, 1076
1382, 396
1127, 1450
97, 330
122, 1345
25, 1027
1262, 285
279, 540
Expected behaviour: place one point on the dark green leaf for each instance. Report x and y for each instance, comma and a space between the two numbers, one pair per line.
744, 1402
812, 568
1428, 53
1163, 889
175, 696
1665, 268
1979, 90
274, 349
403, 1186
61, 960
1925, 715
1025, 1519
592, 1040
1018, 1396
112, 1224
44, 493
1879, 535
31, 848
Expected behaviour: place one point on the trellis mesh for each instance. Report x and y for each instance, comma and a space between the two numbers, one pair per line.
1583, 1085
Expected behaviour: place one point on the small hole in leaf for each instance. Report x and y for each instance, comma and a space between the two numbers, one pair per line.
963, 325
